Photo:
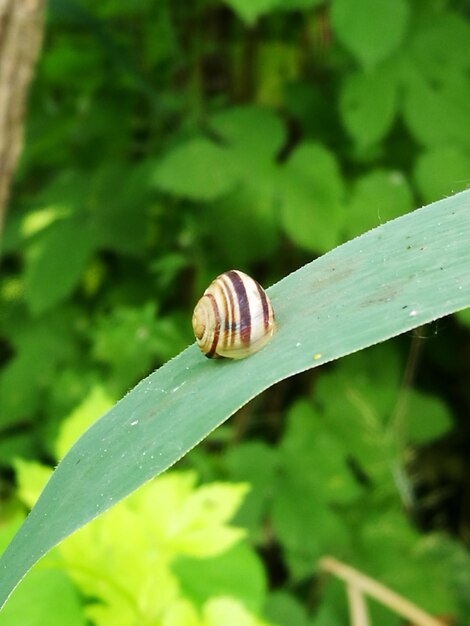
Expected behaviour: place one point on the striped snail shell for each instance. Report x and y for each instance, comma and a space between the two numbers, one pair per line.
234, 318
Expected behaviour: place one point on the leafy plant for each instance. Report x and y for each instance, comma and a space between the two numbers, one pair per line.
168, 413
195, 564
168, 143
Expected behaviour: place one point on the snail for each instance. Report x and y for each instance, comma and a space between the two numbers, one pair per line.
234, 318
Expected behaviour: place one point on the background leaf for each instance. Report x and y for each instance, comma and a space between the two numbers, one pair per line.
250, 10
427, 418
368, 103
442, 171
199, 169
56, 262
370, 29
377, 197
434, 110
311, 198
237, 573
46, 597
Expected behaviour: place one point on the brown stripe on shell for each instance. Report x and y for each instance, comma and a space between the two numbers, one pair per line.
243, 304
213, 349
229, 304
265, 304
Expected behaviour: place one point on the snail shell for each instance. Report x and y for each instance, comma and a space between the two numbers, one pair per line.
234, 318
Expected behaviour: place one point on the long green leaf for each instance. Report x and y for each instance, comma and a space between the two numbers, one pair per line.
401, 275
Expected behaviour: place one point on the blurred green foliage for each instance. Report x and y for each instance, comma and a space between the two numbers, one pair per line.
167, 142
144, 564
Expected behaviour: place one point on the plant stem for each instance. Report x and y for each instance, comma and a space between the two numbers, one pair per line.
376, 590
357, 606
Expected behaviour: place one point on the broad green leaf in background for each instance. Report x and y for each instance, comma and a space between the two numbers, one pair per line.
428, 49
290, 5
368, 104
250, 205
254, 462
129, 338
48, 596
106, 210
226, 611
426, 418
305, 432
237, 572
436, 100
377, 197
442, 171
437, 112
370, 29
357, 405
189, 534
285, 610
56, 261
426, 79
303, 502
392, 279
464, 317
250, 10
254, 132
252, 136
239, 172
383, 536
82, 417
41, 347
109, 563
15, 445
31, 477
199, 169
312, 191
117, 202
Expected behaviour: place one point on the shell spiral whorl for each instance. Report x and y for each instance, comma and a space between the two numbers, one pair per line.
234, 318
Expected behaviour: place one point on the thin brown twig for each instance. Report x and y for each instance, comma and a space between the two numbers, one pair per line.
357, 606
379, 592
